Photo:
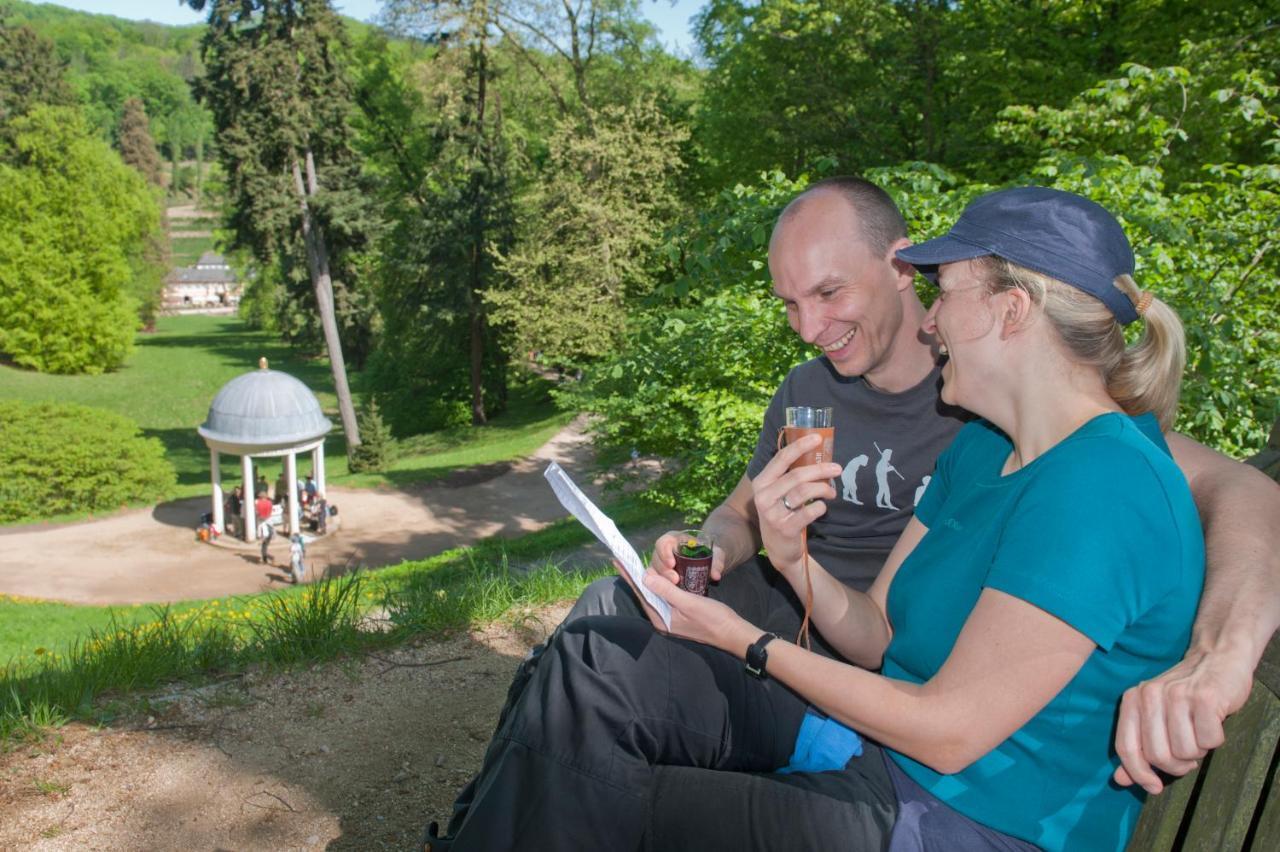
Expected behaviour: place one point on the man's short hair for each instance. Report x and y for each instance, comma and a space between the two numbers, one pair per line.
879, 219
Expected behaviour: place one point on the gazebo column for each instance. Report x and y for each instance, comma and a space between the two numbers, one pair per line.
216, 467
250, 522
317, 466
291, 468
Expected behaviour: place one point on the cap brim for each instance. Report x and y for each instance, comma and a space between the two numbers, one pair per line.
927, 256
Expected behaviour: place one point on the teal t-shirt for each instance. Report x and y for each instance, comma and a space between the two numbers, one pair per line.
1101, 532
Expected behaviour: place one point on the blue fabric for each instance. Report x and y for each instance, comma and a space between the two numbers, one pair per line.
822, 744
1100, 532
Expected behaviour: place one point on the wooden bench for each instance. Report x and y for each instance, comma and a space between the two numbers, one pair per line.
1232, 802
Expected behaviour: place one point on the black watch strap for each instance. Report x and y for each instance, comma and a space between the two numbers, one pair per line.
758, 657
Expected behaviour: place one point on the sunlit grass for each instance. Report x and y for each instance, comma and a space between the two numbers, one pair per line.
167, 384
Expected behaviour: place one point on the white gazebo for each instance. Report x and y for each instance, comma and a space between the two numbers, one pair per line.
264, 414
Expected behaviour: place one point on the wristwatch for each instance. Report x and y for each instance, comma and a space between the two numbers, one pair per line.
758, 657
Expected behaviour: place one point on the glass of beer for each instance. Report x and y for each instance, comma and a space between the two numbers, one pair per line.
805, 420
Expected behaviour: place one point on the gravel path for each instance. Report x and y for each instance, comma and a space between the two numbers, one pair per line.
151, 555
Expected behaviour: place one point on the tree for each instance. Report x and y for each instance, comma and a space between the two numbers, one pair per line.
280, 101
592, 227
30, 73
136, 145
441, 142
74, 226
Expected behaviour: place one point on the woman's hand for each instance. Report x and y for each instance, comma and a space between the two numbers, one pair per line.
782, 498
694, 616
702, 619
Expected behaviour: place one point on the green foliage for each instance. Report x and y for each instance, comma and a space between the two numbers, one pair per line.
376, 445
110, 60
277, 86
61, 458
433, 126
698, 367
875, 82
593, 224
30, 73
76, 225
1203, 231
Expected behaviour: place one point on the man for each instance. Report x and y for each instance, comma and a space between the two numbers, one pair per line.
833, 267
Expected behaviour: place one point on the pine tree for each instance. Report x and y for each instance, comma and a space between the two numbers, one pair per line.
137, 148
375, 451
280, 101
30, 74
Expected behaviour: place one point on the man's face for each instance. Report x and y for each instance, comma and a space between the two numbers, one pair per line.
839, 294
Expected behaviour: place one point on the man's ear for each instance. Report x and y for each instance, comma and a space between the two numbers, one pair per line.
905, 272
1015, 312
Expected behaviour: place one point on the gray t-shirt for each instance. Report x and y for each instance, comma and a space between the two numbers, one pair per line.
886, 442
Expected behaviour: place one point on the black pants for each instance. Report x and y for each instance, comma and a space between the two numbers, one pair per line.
613, 738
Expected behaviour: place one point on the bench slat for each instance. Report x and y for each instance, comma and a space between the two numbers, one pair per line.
1162, 815
1236, 776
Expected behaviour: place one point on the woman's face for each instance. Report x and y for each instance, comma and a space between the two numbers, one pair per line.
962, 319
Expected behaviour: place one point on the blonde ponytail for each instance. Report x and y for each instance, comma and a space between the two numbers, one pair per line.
1146, 376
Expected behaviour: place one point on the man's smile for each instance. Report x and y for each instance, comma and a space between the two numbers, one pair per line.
841, 343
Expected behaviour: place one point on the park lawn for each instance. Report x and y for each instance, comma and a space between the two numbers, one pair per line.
28, 624
185, 251
168, 382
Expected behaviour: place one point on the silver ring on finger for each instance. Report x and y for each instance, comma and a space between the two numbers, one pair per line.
787, 505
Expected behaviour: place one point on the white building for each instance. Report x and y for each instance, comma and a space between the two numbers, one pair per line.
211, 283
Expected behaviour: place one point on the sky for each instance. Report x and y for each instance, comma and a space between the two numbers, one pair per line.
671, 17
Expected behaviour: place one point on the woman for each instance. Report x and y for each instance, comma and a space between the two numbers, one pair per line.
1055, 560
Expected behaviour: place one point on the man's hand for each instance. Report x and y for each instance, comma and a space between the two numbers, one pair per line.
664, 559
787, 501
1170, 722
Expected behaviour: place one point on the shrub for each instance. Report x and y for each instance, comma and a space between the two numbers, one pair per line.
375, 449
60, 458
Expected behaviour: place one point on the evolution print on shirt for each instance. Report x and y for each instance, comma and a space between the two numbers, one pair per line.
885, 476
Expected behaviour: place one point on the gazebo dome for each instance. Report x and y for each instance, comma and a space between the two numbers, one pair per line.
264, 408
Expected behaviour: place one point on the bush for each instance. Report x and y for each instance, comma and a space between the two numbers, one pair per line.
60, 458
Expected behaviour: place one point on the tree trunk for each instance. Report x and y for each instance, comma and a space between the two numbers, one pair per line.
199, 166
478, 199
318, 266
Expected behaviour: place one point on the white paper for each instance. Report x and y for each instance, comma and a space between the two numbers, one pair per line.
603, 528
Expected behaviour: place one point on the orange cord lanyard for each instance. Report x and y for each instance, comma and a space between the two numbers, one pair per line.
802, 637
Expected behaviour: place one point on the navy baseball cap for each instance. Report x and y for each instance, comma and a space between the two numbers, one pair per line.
1059, 234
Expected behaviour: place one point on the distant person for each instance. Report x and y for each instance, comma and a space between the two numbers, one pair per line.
297, 552
282, 488
266, 532
310, 487
262, 506
260, 485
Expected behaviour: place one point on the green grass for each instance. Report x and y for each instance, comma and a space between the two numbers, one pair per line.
170, 379
118, 652
186, 251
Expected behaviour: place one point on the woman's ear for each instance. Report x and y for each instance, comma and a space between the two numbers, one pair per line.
1015, 313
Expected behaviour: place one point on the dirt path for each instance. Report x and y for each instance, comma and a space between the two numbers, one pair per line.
151, 556
352, 755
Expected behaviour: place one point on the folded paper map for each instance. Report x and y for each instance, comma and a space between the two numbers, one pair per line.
603, 528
